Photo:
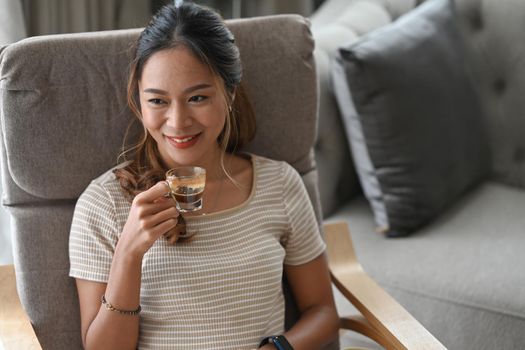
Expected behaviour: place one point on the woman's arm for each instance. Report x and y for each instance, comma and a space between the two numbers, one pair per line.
312, 290
151, 216
105, 329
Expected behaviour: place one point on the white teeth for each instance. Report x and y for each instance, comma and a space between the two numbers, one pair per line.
183, 140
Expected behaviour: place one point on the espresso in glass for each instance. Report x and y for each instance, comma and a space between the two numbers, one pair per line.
187, 186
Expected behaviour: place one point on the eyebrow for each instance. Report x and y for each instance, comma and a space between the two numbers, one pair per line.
187, 90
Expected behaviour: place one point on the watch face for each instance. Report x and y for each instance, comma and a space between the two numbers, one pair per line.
281, 343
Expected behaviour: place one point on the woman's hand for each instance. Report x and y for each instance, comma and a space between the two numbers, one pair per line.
151, 215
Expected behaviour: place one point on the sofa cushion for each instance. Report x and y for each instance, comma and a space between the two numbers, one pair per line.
461, 276
337, 177
412, 117
493, 32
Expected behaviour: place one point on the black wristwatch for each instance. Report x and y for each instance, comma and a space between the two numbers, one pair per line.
279, 341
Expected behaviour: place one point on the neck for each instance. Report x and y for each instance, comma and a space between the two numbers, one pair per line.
216, 165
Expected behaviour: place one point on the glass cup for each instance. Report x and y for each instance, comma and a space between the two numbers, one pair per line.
187, 186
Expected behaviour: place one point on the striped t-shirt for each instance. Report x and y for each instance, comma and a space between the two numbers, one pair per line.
221, 290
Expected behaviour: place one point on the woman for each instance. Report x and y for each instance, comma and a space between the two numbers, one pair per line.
139, 284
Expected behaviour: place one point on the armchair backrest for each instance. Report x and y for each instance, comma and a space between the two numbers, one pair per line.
63, 117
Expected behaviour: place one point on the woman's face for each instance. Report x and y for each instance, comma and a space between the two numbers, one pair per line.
182, 107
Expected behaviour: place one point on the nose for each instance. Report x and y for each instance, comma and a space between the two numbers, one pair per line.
178, 116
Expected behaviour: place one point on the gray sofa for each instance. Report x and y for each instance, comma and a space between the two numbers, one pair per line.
403, 127
59, 130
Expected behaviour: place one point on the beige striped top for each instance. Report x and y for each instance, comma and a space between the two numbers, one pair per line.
222, 290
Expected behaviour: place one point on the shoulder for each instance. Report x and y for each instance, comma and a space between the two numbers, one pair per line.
276, 174
104, 188
108, 178
272, 165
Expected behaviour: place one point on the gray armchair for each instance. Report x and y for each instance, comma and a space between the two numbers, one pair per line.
63, 118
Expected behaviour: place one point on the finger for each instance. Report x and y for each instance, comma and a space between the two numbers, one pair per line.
145, 210
164, 227
150, 222
166, 214
158, 190
165, 198
160, 205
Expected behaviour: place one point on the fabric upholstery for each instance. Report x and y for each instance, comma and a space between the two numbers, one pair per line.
63, 122
338, 23
412, 117
459, 276
493, 33
330, 10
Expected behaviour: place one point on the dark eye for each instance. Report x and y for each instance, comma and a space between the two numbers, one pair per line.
155, 101
197, 98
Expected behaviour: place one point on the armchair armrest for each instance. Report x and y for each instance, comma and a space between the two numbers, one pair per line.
16, 331
383, 319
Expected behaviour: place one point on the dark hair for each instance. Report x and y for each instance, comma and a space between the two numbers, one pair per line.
204, 32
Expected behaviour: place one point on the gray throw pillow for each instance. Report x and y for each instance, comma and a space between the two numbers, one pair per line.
412, 117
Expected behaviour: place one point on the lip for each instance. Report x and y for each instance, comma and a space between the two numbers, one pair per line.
182, 142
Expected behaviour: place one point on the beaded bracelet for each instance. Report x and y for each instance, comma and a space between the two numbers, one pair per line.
123, 312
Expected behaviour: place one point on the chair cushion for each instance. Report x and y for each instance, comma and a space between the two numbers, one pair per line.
412, 117
460, 274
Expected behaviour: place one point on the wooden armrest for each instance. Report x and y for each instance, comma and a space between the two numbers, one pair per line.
16, 331
385, 320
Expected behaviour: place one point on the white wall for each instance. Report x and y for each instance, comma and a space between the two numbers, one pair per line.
6, 254
11, 29
11, 21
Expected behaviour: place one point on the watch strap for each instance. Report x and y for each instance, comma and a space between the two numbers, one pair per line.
279, 341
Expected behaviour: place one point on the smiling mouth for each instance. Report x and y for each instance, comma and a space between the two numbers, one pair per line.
184, 141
